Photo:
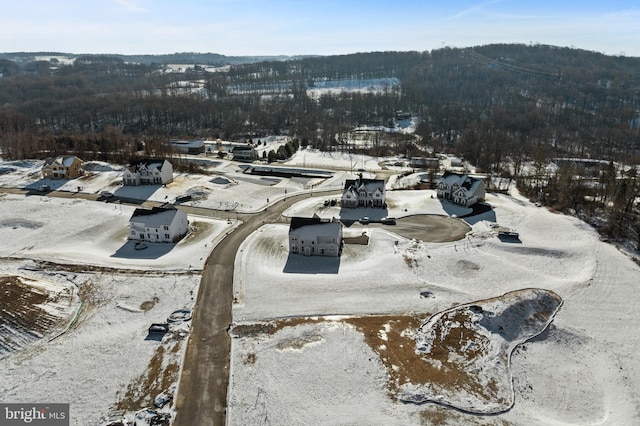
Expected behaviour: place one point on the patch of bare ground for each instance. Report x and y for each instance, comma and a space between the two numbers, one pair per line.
147, 305
160, 375
360, 239
23, 316
198, 231
466, 350
78, 268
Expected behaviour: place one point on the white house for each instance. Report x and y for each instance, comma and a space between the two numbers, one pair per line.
363, 193
460, 188
313, 236
244, 153
164, 224
148, 172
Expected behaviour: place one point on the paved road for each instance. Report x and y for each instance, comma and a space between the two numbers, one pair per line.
202, 392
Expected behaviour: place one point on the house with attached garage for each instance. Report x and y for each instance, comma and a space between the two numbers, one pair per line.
313, 236
164, 224
148, 172
460, 189
363, 193
62, 167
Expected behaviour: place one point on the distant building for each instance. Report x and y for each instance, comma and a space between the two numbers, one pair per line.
424, 162
164, 224
194, 147
460, 188
313, 236
62, 167
363, 193
245, 153
148, 172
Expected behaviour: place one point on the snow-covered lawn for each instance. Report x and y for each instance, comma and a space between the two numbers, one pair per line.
316, 341
307, 349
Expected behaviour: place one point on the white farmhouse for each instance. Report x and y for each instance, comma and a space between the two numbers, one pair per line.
460, 189
363, 193
148, 172
313, 236
158, 225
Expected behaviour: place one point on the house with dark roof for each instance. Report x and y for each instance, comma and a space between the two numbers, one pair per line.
313, 236
460, 189
62, 167
363, 193
148, 172
164, 224
246, 153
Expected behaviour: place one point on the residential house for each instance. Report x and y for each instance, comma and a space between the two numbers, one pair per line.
363, 193
244, 153
460, 188
148, 172
164, 224
313, 236
62, 167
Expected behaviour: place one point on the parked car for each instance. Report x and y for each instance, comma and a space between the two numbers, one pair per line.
44, 188
388, 220
365, 220
106, 194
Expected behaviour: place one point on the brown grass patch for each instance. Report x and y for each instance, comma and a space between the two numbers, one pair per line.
20, 312
155, 380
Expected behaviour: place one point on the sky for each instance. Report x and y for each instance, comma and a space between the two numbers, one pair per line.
305, 27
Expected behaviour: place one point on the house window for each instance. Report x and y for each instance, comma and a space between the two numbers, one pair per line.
166, 228
167, 236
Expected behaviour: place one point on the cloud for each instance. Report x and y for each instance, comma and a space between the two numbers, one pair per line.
471, 10
132, 6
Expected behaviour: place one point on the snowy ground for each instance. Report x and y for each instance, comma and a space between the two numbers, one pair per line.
583, 369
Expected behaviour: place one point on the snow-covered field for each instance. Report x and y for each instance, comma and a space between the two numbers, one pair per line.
323, 369
315, 354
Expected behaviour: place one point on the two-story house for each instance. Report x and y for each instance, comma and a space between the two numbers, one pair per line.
313, 236
164, 224
148, 172
363, 193
62, 167
460, 189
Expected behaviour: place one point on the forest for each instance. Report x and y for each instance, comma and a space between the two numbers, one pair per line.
501, 107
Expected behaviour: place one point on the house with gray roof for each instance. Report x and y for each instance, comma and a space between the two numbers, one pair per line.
313, 236
148, 172
460, 189
62, 167
363, 193
164, 224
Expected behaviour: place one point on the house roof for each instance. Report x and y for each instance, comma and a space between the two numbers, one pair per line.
148, 164
156, 216
463, 180
299, 222
188, 144
62, 160
370, 184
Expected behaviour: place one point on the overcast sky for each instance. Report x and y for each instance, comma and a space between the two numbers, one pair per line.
292, 27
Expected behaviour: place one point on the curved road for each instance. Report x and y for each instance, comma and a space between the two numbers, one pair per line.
202, 391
